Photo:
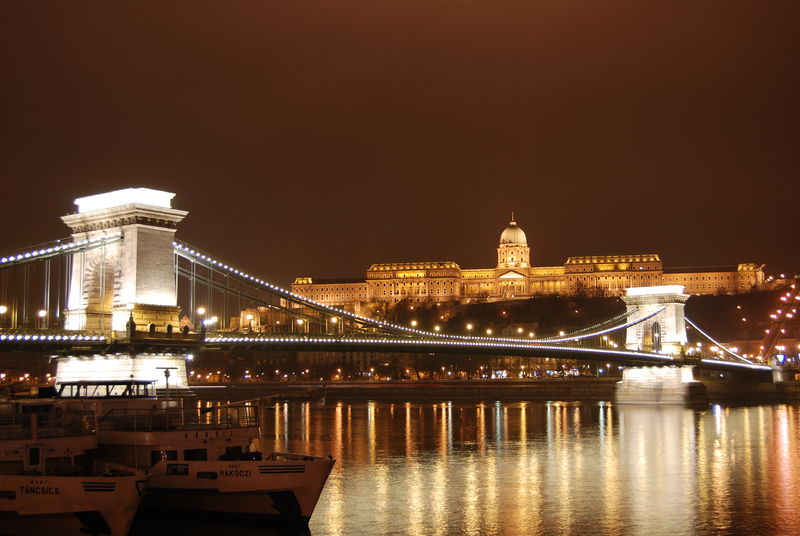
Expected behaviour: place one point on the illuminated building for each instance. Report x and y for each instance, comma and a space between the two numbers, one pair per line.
514, 277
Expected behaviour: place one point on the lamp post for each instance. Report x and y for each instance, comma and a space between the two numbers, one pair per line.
166, 377
3, 311
42, 314
131, 322
201, 312
249, 318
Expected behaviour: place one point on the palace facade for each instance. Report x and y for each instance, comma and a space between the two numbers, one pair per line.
514, 278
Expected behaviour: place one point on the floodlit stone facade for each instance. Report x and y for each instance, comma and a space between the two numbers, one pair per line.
131, 277
514, 277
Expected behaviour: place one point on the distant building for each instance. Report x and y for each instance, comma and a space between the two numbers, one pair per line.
514, 277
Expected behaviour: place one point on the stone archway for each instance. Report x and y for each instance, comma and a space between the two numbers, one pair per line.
101, 292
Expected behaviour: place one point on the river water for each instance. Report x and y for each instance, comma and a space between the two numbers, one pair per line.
545, 468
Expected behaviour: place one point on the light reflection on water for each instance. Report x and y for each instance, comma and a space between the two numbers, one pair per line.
546, 468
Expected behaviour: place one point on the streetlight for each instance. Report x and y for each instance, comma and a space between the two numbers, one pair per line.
413, 323
42, 314
437, 328
249, 318
201, 312
3, 311
489, 331
469, 327
131, 322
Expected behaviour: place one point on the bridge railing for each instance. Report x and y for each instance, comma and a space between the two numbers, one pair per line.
55, 248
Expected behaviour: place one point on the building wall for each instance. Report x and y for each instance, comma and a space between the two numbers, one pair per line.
606, 275
745, 278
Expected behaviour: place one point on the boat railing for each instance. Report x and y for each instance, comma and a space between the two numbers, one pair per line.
287, 456
42, 426
135, 420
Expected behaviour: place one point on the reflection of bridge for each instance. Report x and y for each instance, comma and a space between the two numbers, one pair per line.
120, 283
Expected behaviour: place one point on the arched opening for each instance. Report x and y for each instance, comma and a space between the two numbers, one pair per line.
101, 292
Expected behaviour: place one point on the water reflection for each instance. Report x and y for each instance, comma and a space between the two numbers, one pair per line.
547, 468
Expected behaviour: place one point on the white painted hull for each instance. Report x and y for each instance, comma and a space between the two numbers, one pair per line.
69, 504
280, 489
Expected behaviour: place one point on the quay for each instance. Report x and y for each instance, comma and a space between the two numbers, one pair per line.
562, 389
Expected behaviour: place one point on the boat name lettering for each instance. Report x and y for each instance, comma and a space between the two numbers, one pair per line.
34, 489
234, 471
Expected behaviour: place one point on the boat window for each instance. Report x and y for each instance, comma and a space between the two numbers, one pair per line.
33, 456
233, 453
177, 468
195, 454
11, 468
158, 455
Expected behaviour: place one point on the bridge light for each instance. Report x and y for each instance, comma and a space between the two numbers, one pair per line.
3, 309
201, 310
489, 331
42, 313
530, 334
300, 321
561, 333
436, 328
414, 323
469, 327
334, 319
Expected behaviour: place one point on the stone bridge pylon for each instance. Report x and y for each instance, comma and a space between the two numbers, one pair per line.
134, 276
664, 332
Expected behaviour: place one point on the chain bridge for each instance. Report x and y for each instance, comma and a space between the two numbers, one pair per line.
123, 285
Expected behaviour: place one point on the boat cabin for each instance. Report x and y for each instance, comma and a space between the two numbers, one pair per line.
107, 389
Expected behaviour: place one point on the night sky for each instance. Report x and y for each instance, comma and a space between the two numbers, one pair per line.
315, 138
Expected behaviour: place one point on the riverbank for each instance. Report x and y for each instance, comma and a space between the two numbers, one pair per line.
565, 390
542, 390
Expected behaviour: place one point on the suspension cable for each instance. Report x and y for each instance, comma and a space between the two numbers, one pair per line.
719, 344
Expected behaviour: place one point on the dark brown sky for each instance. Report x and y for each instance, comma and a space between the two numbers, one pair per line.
314, 138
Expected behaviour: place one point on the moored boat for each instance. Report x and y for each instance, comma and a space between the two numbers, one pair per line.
50, 481
200, 458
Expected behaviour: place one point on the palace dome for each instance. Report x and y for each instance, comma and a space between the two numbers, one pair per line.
513, 235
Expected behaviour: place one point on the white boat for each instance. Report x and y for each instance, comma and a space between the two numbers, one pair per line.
50, 482
200, 459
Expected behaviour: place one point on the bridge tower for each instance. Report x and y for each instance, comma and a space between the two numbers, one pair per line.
665, 332
132, 277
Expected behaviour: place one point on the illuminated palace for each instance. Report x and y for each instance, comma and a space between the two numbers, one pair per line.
515, 277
